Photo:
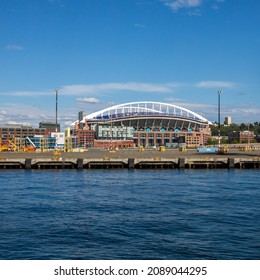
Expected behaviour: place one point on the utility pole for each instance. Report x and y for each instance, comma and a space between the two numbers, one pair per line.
218, 93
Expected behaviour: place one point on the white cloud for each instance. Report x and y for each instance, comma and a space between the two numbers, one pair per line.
194, 106
21, 113
28, 93
215, 84
250, 111
140, 25
216, 5
236, 111
179, 4
88, 100
192, 5
118, 88
130, 86
14, 47
83, 89
16, 113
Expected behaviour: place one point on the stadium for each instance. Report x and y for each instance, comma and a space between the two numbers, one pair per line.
145, 124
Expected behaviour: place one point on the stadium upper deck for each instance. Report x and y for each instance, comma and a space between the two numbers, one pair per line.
147, 115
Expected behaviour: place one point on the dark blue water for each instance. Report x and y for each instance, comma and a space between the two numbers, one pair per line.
165, 214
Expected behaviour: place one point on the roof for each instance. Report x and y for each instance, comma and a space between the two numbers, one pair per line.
144, 108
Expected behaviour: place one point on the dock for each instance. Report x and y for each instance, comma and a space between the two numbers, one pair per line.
130, 159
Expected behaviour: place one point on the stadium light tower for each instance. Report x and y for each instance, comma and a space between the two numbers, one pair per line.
218, 93
56, 119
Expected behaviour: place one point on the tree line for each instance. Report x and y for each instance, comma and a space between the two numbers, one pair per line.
225, 130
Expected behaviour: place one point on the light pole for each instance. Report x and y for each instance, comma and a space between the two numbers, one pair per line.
56, 120
111, 130
218, 93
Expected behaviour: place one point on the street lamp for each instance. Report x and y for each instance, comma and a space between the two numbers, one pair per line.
56, 122
218, 93
111, 129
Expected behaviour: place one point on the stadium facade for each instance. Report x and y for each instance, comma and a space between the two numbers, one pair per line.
145, 124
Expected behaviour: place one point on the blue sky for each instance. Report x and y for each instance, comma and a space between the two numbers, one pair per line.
102, 52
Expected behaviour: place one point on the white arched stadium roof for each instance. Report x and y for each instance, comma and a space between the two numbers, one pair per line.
145, 108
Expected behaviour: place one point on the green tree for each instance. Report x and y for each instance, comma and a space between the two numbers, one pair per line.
243, 126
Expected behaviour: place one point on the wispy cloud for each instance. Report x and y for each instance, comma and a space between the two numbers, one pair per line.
180, 4
27, 93
193, 6
239, 113
247, 111
14, 48
195, 106
140, 25
88, 100
131, 86
17, 113
21, 113
215, 84
85, 89
216, 4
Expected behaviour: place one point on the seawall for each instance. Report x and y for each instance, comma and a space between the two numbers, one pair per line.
130, 159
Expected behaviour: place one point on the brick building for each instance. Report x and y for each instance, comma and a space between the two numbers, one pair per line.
20, 131
241, 136
49, 126
84, 138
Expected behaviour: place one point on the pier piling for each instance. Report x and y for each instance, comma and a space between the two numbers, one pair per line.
80, 164
231, 163
131, 163
181, 163
28, 163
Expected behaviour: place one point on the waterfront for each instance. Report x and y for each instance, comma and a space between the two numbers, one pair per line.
131, 159
234, 151
130, 214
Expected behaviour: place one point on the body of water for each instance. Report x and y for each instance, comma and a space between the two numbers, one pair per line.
130, 214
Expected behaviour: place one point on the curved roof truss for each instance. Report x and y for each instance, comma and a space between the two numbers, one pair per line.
145, 108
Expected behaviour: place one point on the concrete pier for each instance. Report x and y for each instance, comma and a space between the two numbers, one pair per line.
130, 163
131, 159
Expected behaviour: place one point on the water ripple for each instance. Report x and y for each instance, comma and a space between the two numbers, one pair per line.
136, 214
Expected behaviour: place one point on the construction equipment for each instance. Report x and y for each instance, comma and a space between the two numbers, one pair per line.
31, 147
183, 149
56, 153
162, 148
68, 144
222, 150
4, 147
8, 146
246, 148
141, 148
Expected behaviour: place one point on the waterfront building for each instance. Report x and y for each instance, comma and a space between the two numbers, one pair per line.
84, 137
41, 142
60, 139
114, 144
147, 124
116, 132
8, 132
241, 137
49, 126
